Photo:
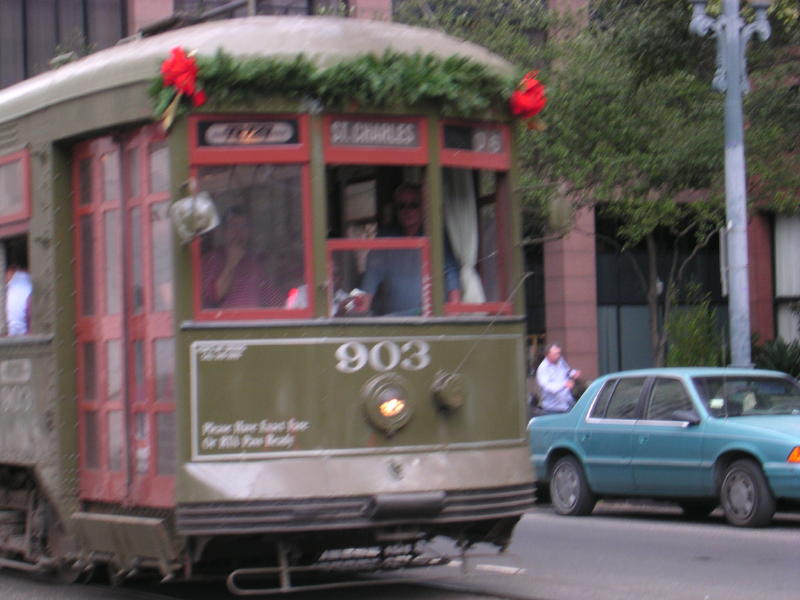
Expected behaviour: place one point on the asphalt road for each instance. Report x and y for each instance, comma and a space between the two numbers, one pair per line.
623, 551
628, 551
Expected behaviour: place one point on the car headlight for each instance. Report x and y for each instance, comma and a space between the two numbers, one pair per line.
794, 455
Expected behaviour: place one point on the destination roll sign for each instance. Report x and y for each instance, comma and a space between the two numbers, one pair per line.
247, 133
473, 138
388, 134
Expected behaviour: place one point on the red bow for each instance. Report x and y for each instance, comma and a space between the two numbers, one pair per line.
528, 99
180, 71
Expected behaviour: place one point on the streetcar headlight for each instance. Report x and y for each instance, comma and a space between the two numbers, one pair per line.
386, 403
392, 406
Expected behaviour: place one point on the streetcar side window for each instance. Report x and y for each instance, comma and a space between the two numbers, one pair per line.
255, 258
18, 285
15, 203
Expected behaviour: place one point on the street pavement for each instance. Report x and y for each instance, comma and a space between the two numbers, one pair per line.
623, 551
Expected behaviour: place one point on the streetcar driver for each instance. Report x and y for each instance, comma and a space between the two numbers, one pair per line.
399, 272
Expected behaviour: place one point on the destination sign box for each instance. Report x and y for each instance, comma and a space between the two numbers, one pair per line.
247, 133
473, 139
387, 134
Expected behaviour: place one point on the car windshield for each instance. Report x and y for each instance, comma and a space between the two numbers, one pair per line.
743, 396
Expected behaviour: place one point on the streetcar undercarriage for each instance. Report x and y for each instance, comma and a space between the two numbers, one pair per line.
387, 533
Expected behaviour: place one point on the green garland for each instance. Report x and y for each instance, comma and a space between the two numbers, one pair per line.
457, 86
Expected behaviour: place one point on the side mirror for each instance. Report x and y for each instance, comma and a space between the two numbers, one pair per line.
690, 416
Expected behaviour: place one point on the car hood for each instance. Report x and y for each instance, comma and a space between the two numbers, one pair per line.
788, 425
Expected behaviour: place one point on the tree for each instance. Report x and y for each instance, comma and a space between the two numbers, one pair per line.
639, 136
635, 129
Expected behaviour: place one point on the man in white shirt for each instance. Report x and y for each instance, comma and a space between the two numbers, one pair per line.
556, 380
19, 288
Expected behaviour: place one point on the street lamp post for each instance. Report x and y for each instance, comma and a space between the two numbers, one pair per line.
731, 79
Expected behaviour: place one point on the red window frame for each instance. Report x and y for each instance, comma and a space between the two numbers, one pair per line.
374, 154
16, 222
488, 161
286, 154
389, 243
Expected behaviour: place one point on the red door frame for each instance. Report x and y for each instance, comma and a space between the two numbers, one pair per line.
150, 488
99, 482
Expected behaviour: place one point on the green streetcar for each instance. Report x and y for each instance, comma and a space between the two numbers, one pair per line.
215, 381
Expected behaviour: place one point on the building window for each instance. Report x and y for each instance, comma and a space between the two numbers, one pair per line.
33, 33
787, 277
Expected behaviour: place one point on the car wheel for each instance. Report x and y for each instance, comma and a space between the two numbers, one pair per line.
569, 491
745, 495
697, 509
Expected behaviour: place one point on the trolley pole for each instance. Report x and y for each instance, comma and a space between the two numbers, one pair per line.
731, 79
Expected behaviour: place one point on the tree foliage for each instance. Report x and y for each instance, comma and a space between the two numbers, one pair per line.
694, 337
634, 127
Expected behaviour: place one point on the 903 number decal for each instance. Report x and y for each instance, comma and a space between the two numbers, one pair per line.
383, 356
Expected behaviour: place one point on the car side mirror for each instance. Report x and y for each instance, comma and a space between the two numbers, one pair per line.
690, 416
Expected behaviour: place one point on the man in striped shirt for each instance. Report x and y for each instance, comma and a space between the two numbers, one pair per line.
233, 276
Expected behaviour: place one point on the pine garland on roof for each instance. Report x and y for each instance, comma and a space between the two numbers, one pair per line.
458, 86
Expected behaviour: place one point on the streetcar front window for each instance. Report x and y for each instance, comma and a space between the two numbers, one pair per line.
471, 236
476, 157
378, 242
255, 259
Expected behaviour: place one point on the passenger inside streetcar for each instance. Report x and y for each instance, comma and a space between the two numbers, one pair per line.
255, 258
19, 286
232, 273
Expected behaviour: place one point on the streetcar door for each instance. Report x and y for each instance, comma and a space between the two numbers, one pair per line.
124, 319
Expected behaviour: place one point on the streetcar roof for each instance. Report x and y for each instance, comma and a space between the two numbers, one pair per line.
325, 40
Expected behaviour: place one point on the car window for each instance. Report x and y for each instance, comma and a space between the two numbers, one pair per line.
748, 395
668, 395
600, 405
622, 404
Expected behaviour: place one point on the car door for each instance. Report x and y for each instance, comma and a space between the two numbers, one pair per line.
667, 450
606, 436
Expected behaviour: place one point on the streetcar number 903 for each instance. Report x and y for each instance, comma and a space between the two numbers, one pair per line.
383, 356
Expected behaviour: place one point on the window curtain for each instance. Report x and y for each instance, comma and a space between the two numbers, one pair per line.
461, 224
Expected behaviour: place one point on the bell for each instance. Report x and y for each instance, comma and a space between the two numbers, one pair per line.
193, 216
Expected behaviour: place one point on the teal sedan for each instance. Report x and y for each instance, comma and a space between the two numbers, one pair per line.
702, 437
